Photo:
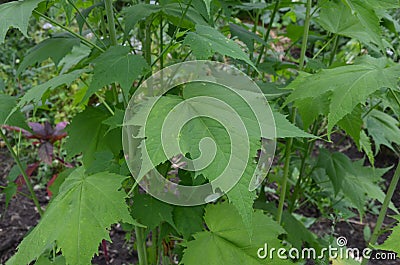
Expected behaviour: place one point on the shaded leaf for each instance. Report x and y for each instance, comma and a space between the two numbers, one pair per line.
392, 243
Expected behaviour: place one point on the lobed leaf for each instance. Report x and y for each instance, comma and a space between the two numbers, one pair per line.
78, 218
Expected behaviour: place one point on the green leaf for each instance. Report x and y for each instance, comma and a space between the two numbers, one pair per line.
356, 22
206, 41
86, 134
246, 36
188, 220
9, 114
55, 48
74, 57
150, 211
365, 145
173, 11
92, 204
352, 124
16, 14
337, 166
383, 129
286, 129
38, 93
392, 243
345, 86
227, 241
116, 65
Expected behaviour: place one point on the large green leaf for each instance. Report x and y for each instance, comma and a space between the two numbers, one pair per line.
345, 86
392, 243
192, 108
37, 93
227, 241
188, 220
116, 65
16, 14
383, 129
206, 41
361, 23
55, 48
77, 219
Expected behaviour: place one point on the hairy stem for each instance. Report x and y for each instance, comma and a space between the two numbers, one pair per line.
141, 245
23, 172
383, 211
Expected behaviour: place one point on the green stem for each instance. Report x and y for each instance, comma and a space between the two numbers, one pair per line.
141, 245
266, 36
84, 19
289, 143
334, 49
110, 21
305, 34
324, 47
84, 40
308, 148
23, 172
385, 206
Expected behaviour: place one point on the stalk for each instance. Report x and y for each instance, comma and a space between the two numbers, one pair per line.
110, 21
266, 36
141, 245
289, 143
383, 211
23, 172
84, 40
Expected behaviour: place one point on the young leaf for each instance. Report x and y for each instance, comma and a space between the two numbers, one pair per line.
285, 129
79, 235
345, 86
206, 41
16, 14
37, 93
392, 243
227, 241
116, 65
55, 48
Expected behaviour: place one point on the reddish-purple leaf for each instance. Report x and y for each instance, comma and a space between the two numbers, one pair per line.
46, 152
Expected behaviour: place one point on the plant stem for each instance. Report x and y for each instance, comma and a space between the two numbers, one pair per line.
141, 245
383, 211
266, 36
305, 35
289, 142
23, 172
334, 49
84, 40
110, 21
